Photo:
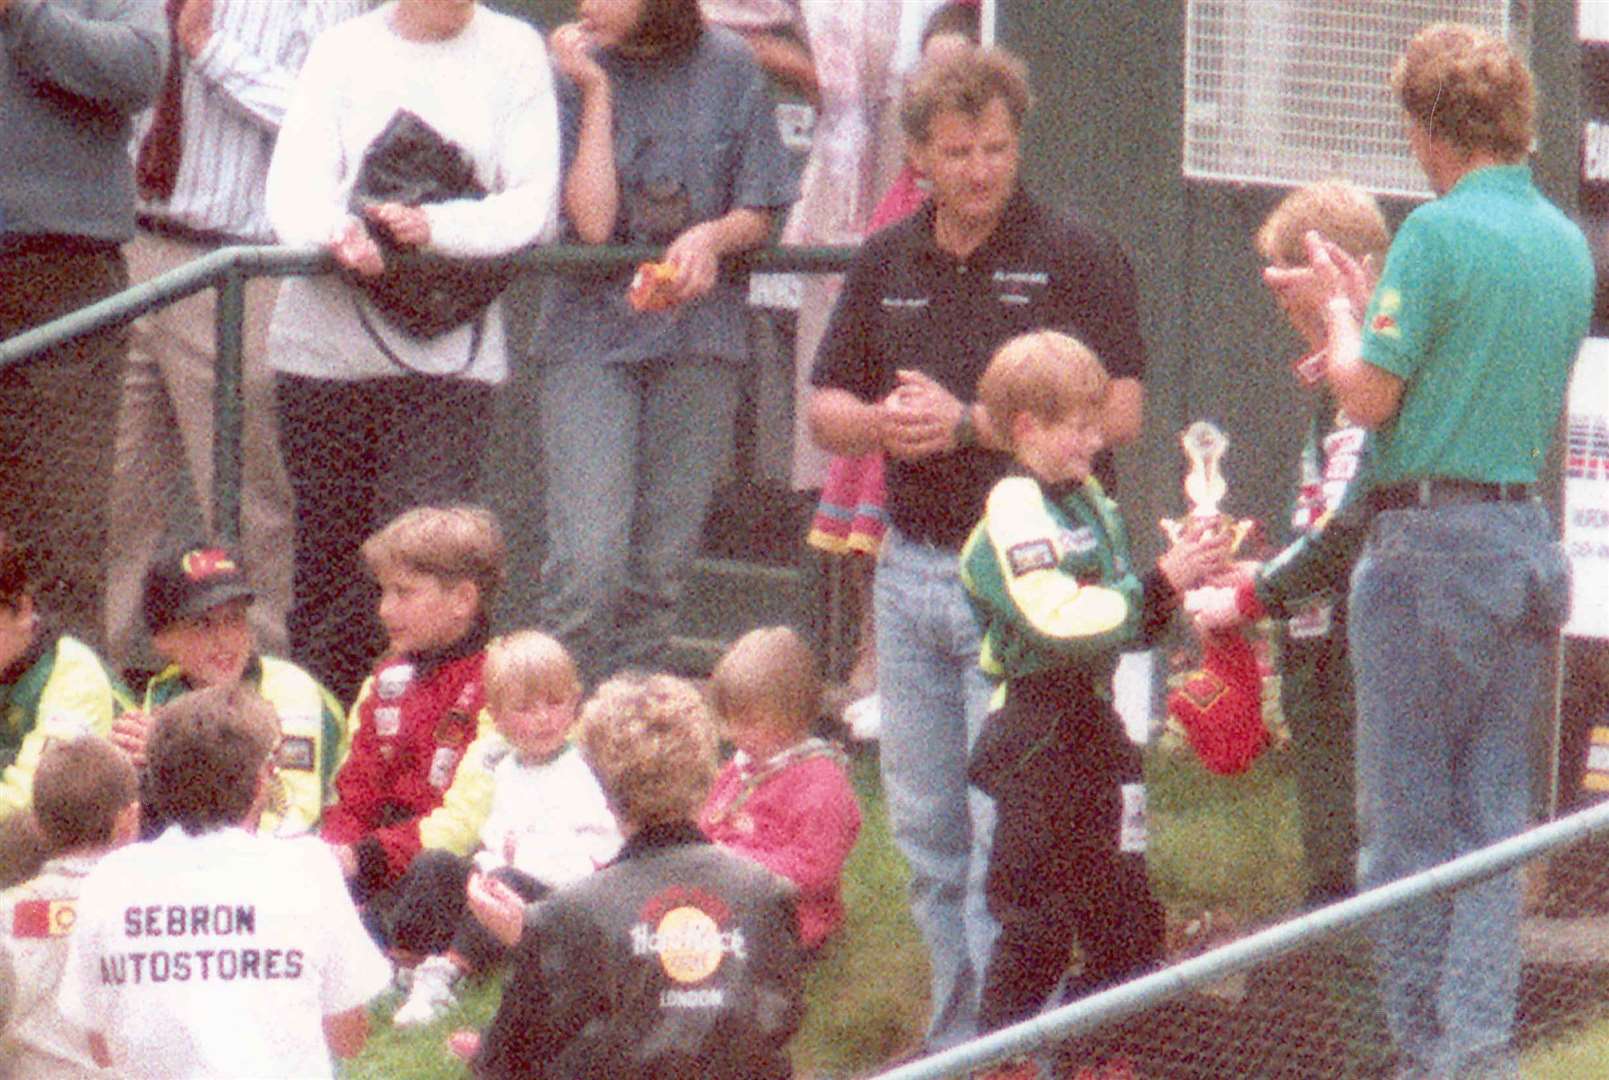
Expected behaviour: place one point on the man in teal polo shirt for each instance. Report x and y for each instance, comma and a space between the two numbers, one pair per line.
1460, 364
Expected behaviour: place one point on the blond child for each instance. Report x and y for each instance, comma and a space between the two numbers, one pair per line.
212, 950
1049, 574
784, 800
525, 798
680, 958
84, 805
439, 570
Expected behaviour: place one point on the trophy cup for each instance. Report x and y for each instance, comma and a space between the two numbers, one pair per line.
1219, 705
1204, 444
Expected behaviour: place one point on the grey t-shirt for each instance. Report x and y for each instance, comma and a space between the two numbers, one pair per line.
72, 75
694, 138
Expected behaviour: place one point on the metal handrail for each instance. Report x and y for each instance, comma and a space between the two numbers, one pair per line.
228, 269
1150, 991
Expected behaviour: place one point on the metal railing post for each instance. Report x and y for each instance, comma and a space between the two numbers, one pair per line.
228, 410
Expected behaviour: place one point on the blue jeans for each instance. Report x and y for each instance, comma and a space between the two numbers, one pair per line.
1452, 613
631, 454
933, 699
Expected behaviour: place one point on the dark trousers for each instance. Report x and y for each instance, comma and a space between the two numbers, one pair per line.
1320, 711
358, 454
430, 914
1058, 874
58, 413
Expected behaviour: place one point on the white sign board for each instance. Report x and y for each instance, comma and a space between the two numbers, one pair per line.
1586, 490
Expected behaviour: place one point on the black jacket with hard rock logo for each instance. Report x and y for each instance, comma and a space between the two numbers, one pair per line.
679, 960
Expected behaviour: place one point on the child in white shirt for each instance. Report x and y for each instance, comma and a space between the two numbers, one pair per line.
211, 950
526, 798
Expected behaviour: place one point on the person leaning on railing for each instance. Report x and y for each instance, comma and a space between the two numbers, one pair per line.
373, 420
670, 132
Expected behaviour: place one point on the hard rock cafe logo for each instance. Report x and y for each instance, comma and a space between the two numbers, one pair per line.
685, 930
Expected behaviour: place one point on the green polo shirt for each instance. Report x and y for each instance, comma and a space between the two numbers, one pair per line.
1483, 302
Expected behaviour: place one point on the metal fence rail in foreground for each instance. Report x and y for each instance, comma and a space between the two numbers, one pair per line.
227, 271
1565, 985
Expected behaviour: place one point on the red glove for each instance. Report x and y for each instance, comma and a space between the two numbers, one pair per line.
1220, 706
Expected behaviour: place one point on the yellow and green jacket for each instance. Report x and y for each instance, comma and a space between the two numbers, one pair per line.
59, 689
313, 739
1049, 575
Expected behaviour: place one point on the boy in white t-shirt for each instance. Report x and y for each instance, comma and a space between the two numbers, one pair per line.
210, 950
84, 804
525, 799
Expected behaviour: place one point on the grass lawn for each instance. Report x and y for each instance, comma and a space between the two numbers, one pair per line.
1225, 843
867, 993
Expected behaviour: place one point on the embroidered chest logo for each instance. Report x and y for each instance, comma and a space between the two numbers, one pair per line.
1079, 541
1019, 288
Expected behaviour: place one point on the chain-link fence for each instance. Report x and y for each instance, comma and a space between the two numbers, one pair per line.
227, 271
1301, 999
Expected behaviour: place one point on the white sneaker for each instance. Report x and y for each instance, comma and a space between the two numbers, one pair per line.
434, 992
864, 718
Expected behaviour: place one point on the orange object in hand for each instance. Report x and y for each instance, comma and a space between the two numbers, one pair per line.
653, 287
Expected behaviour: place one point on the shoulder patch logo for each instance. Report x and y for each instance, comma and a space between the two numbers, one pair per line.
1031, 555
1384, 322
296, 752
43, 918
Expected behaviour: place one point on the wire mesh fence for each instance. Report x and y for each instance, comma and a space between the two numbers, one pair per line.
1304, 997
1290, 91
172, 496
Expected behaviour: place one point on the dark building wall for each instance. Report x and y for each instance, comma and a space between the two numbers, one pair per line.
1105, 140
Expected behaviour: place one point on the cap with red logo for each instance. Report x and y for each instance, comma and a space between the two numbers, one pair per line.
192, 582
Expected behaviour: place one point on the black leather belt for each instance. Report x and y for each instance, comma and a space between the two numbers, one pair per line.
1436, 491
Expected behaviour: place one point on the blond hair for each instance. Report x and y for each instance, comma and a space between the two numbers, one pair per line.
449, 543
1045, 373
964, 80
526, 665
1467, 87
770, 674
1338, 209
206, 750
651, 741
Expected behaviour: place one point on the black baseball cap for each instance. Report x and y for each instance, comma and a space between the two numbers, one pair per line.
191, 581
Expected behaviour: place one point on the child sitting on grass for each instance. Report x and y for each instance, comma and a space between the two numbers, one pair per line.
784, 799
212, 950
680, 959
439, 570
529, 801
84, 805
1049, 573
195, 601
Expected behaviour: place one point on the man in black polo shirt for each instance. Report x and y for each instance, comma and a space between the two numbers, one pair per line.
924, 306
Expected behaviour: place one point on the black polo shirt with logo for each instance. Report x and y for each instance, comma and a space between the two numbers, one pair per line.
908, 305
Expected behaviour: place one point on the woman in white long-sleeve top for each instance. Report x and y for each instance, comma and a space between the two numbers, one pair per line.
374, 420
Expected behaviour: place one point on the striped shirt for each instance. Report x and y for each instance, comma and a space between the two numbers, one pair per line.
235, 95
